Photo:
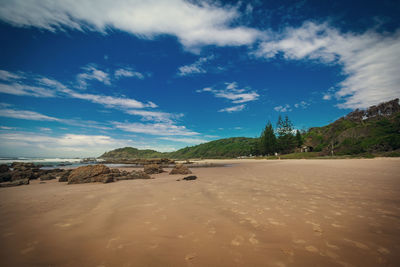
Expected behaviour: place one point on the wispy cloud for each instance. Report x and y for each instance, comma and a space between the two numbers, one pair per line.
233, 109
284, 108
370, 60
161, 129
7, 76
26, 115
46, 87
194, 24
92, 73
195, 68
157, 116
184, 140
302, 104
128, 73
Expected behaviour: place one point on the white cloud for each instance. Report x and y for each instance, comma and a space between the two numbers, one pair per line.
33, 144
302, 104
370, 60
193, 24
233, 93
327, 97
184, 140
25, 90
194, 68
26, 115
233, 109
162, 129
127, 72
7, 76
46, 87
92, 73
284, 108
157, 116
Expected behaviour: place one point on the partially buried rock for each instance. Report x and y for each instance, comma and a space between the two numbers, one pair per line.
153, 169
90, 174
190, 178
15, 183
134, 175
4, 168
46, 177
64, 176
180, 169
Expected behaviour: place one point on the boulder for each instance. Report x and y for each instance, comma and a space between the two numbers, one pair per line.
190, 178
15, 183
64, 176
22, 174
4, 168
153, 169
5, 176
134, 175
90, 174
46, 177
180, 169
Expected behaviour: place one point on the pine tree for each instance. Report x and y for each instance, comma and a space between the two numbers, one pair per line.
268, 140
299, 139
286, 139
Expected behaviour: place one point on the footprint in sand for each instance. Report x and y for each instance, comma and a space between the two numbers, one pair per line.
311, 249
190, 256
299, 241
31, 247
357, 244
237, 241
331, 245
383, 250
253, 239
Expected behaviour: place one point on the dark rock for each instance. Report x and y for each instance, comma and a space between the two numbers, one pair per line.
5, 176
134, 175
15, 183
190, 178
180, 169
153, 169
22, 174
4, 168
90, 174
46, 177
64, 176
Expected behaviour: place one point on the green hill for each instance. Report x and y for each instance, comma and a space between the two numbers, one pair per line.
376, 129
371, 131
131, 153
222, 148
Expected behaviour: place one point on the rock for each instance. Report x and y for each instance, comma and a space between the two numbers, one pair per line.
153, 169
134, 175
22, 166
5, 176
46, 177
190, 178
180, 169
90, 174
64, 176
4, 168
22, 174
15, 183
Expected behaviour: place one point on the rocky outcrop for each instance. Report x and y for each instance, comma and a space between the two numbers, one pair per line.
47, 176
385, 109
153, 169
63, 177
4, 168
180, 169
133, 175
90, 174
15, 183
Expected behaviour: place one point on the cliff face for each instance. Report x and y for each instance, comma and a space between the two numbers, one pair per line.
361, 131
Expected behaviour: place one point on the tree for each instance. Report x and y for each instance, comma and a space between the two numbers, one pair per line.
286, 139
299, 139
268, 140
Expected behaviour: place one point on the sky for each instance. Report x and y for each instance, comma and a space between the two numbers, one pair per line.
78, 78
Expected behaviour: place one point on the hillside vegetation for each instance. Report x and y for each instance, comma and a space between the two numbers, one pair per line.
374, 131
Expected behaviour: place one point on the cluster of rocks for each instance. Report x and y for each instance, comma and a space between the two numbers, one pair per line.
385, 109
141, 162
21, 173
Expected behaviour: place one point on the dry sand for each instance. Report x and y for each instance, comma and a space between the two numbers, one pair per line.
253, 213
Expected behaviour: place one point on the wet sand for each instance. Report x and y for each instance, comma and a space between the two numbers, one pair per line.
253, 213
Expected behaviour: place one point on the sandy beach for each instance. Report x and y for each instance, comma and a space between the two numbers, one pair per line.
251, 213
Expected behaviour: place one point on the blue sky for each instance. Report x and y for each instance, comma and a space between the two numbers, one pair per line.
78, 78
